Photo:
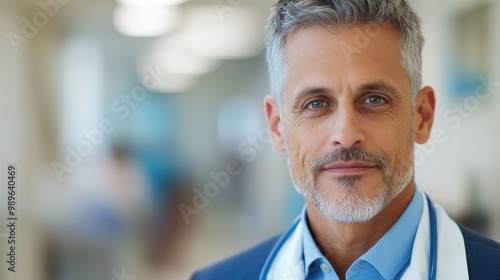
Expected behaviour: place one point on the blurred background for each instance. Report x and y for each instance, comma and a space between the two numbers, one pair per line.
138, 132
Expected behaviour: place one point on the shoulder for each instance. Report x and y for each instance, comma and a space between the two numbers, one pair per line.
483, 255
245, 265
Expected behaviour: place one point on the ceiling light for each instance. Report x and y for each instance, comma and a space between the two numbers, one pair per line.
151, 2
145, 21
174, 58
237, 34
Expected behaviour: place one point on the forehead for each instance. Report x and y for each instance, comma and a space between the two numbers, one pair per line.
340, 57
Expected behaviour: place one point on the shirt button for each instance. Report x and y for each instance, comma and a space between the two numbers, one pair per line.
325, 268
360, 266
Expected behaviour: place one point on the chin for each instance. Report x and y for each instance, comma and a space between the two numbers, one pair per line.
352, 201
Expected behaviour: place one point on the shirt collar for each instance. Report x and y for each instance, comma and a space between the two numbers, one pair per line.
398, 241
310, 250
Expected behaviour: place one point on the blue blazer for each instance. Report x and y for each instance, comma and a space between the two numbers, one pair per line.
483, 260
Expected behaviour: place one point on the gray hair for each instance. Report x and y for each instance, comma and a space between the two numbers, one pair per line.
287, 15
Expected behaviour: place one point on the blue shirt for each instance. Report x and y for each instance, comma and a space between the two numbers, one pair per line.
387, 259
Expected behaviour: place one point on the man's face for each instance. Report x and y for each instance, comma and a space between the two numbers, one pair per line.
347, 119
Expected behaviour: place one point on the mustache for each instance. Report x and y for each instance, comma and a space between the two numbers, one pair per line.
348, 154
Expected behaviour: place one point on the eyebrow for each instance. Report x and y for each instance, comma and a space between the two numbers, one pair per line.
311, 91
371, 86
379, 86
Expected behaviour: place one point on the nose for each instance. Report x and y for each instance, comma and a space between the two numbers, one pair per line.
346, 128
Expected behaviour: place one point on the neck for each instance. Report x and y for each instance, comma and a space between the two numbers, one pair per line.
342, 243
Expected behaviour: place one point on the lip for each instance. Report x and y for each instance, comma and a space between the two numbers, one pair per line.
352, 167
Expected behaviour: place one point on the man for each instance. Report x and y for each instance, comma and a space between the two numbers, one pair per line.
347, 107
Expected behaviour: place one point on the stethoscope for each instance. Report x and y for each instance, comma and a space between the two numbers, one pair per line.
433, 244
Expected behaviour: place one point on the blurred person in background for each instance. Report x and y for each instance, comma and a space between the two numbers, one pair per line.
96, 216
168, 187
347, 107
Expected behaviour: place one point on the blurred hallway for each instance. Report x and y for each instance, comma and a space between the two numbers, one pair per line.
177, 86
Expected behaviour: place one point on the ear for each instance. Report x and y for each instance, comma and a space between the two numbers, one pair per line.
424, 114
275, 123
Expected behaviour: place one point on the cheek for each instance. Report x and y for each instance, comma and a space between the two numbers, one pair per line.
395, 141
302, 148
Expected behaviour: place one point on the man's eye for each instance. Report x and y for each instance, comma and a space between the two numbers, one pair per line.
375, 100
316, 104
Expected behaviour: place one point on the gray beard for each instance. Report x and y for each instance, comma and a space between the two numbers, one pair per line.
351, 206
